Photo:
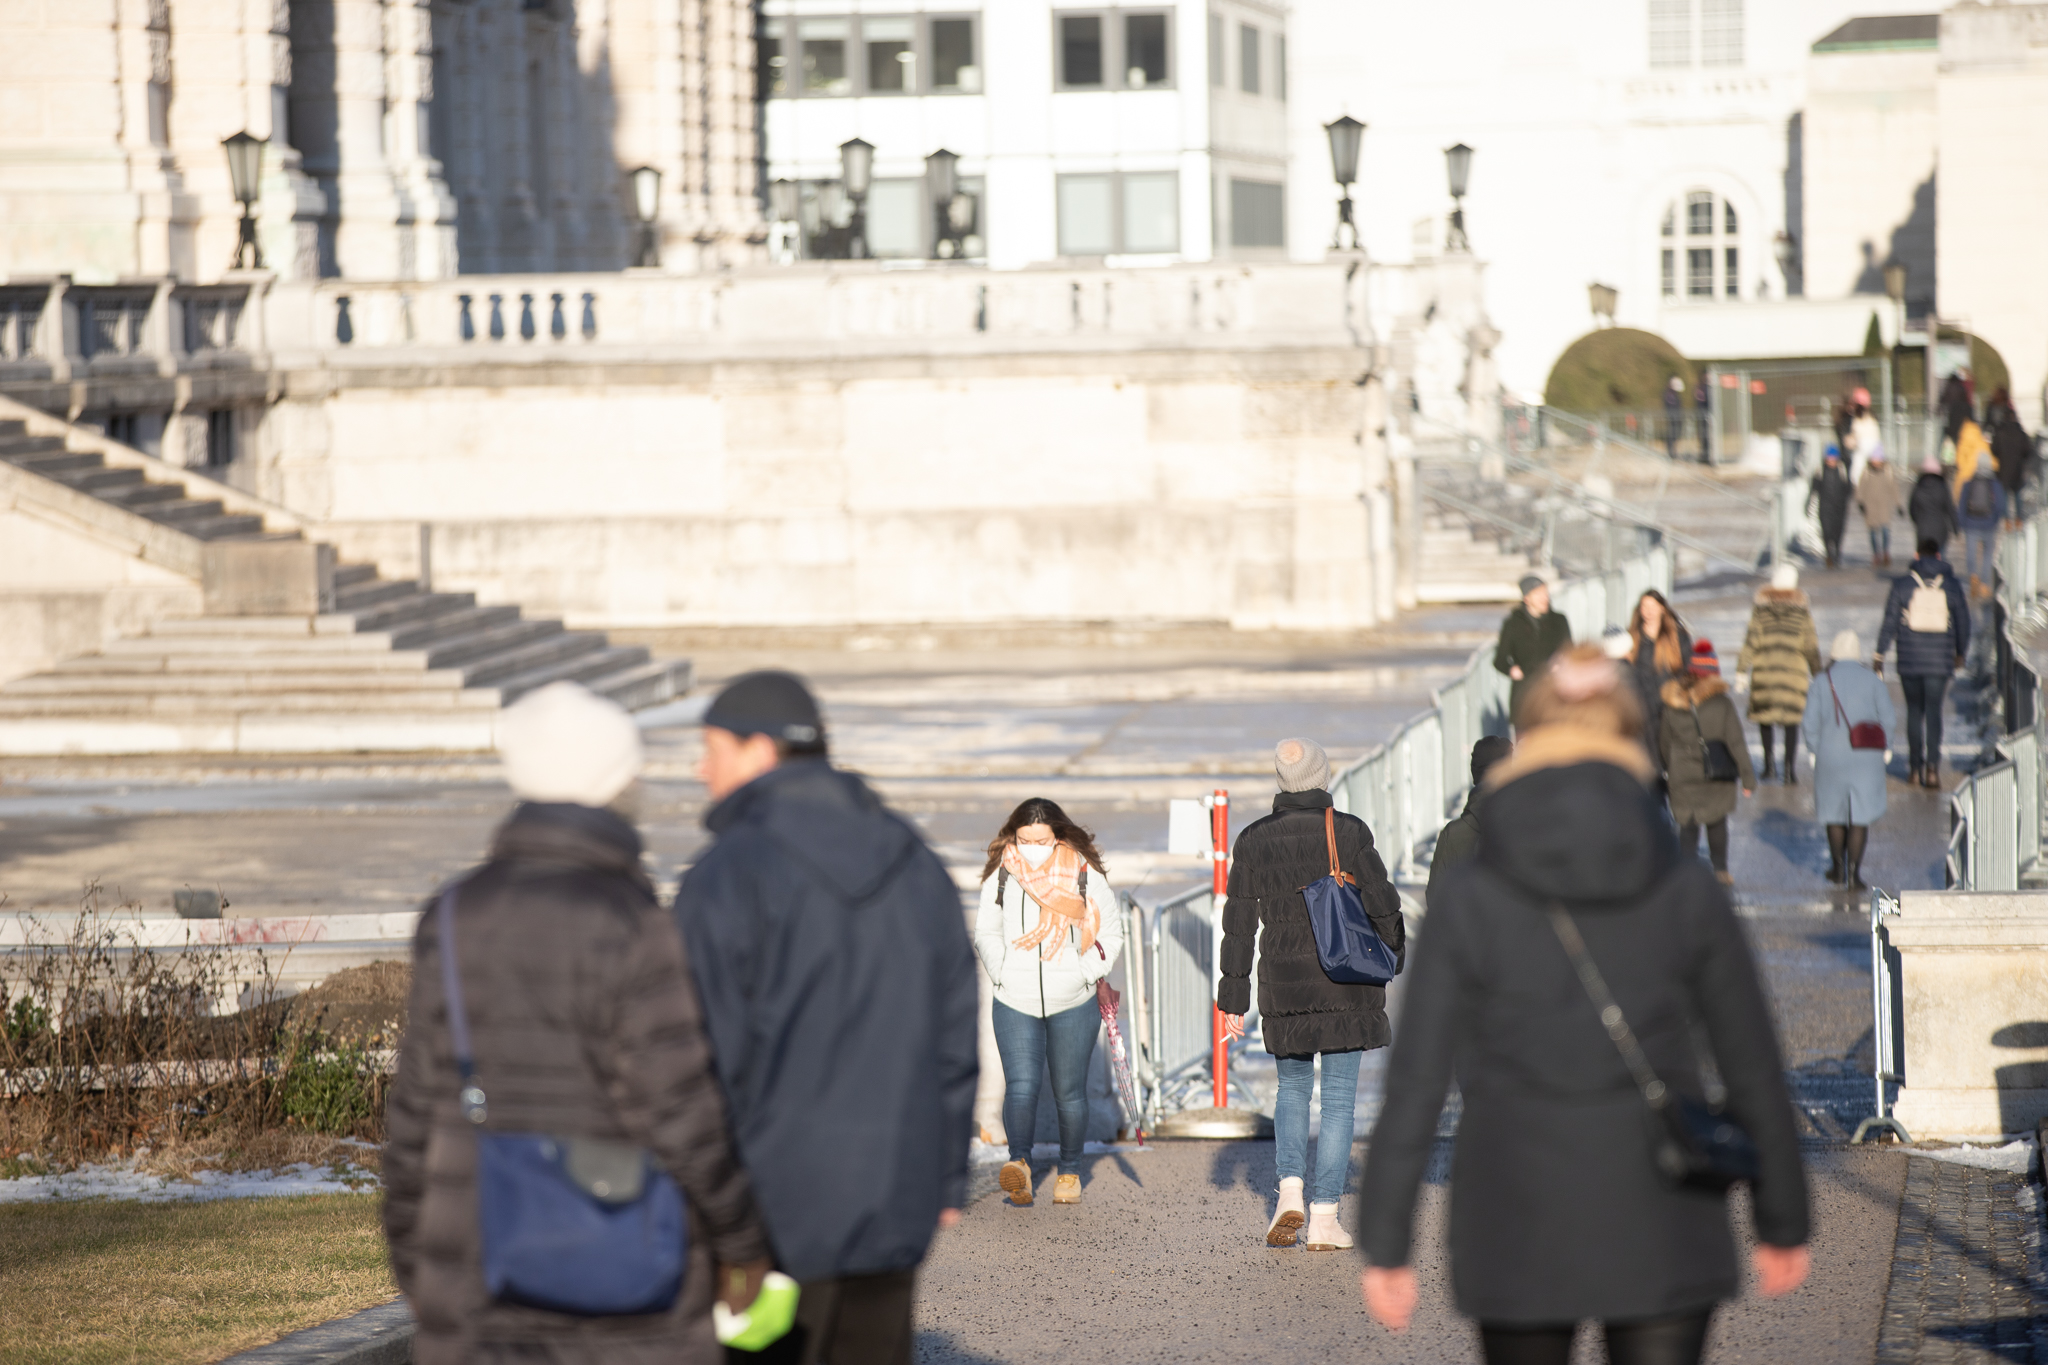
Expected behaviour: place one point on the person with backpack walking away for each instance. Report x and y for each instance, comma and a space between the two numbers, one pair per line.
1981, 510
1458, 842
1705, 756
570, 1052
1780, 654
2013, 449
1529, 635
841, 995
1849, 720
1931, 508
1303, 1013
1831, 489
1048, 931
1877, 497
1582, 1186
1928, 616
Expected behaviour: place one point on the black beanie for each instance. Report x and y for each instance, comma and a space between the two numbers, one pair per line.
769, 703
1490, 750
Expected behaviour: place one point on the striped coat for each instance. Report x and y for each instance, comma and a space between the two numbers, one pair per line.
1781, 653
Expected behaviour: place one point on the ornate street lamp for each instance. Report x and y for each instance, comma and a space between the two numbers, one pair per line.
1603, 298
245, 176
856, 169
646, 204
1344, 133
941, 183
785, 200
1458, 160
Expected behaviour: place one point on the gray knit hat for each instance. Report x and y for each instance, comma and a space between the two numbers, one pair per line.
1301, 764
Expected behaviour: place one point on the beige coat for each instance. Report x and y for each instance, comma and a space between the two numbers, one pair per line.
1877, 493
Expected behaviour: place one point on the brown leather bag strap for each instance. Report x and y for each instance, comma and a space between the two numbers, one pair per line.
1330, 835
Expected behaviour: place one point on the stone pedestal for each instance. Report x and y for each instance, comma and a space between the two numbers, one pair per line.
1974, 968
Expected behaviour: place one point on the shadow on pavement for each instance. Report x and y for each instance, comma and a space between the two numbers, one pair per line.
939, 1348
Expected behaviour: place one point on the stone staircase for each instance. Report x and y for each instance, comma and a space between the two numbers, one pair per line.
393, 667
1460, 562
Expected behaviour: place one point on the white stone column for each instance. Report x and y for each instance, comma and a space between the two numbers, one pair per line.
394, 211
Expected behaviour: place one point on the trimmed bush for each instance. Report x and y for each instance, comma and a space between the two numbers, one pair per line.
1615, 368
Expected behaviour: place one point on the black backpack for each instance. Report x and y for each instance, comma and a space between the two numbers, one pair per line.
1980, 498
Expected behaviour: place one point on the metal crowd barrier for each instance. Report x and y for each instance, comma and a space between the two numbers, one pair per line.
1404, 791
1888, 1022
1995, 812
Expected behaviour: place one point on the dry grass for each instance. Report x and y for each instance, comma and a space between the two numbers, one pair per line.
105, 1281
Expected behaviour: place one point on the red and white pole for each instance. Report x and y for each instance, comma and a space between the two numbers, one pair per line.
1219, 833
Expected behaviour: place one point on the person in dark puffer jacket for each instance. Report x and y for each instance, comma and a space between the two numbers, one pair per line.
1459, 840
584, 1023
1303, 1014
1927, 658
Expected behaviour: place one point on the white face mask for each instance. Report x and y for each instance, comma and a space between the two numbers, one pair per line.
1035, 854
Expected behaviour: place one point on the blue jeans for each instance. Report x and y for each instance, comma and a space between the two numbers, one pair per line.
1880, 542
1980, 545
1029, 1045
1290, 1121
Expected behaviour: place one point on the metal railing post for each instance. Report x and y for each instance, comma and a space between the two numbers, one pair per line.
1886, 1008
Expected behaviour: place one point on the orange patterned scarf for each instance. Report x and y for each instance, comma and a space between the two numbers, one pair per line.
1055, 886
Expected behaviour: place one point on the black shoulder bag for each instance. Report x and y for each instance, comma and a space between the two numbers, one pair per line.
1695, 1146
1715, 755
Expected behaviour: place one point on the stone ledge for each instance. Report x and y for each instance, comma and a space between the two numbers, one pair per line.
376, 1336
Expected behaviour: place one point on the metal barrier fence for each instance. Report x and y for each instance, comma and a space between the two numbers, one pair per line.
1995, 812
1404, 791
1888, 1021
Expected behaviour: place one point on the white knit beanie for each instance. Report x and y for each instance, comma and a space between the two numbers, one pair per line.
1846, 646
1301, 765
1785, 577
564, 743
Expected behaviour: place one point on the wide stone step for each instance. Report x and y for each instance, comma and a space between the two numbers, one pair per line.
263, 683
360, 597
196, 703
137, 497
419, 609
580, 668
358, 663
643, 685
309, 732
265, 627
102, 482
197, 644
543, 653
184, 510
452, 627
480, 647
16, 446
54, 464
348, 575
230, 527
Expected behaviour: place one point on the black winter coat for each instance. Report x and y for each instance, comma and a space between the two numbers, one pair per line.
1932, 510
1302, 1011
1831, 489
2013, 449
584, 1023
840, 990
1926, 654
1457, 842
1527, 642
1558, 1211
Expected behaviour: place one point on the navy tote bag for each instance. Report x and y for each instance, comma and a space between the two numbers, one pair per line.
1346, 943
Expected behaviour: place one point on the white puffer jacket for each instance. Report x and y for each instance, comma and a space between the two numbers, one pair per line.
1023, 980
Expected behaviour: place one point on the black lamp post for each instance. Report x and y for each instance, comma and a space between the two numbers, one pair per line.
856, 171
646, 204
245, 175
1345, 133
1458, 160
941, 183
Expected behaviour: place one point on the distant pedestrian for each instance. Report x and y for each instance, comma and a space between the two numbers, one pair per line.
1848, 703
841, 995
1659, 646
1932, 508
1703, 414
1459, 840
1929, 617
1048, 931
1780, 654
1303, 1014
1559, 1209
1697, 714
1980, 508
1865, 438
2014, 451
1972, 450
583, 1027
1998, 409
1831, 490
1877, 496
1529, 635
1674, 416
1957, 405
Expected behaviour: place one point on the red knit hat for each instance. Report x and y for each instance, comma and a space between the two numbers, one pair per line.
1705, 663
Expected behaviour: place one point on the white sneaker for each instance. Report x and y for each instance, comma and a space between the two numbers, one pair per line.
1325, 1233
1288, 1218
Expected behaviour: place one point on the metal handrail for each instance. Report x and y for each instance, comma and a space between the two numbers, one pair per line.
1887, 1006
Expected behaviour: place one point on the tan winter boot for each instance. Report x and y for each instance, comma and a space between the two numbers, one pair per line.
1067, 1190
1325, 1233
1289, 1217
1015, 1178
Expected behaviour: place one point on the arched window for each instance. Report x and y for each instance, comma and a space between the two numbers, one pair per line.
1704, 264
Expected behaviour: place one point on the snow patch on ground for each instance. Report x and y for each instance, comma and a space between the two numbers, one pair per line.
2016, 1158
123, 1181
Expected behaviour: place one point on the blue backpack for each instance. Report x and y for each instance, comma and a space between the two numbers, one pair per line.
1348, 947
572, 1225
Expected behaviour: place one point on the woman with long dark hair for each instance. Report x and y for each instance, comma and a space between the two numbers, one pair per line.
1659, 649
1047, 931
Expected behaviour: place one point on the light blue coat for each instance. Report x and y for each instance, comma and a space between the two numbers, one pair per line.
1848, 784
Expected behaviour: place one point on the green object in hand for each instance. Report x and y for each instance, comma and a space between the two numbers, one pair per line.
767, 1319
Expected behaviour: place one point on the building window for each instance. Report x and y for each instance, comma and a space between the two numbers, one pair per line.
1114, 49
1720, 32
1257, 214
1728, 218
1699, 273
1217, 65
1670, 33
1248, 59
220, 438
1699, 214
1668, 267
880, 55
1713, 254
1280, 66
901, 222
1133, 213
1731, 273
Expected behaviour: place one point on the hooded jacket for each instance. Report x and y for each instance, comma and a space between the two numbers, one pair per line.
840, 992
1696, 710
1932, 510
1558, 1211
1301, 1010
1926, 654
1780, 653
584, 1023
